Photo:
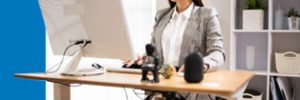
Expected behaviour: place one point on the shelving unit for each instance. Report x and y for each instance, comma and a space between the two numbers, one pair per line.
284, 75
250, 31
265, 43
285, 31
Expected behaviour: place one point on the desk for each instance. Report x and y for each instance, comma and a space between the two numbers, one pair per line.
227, 84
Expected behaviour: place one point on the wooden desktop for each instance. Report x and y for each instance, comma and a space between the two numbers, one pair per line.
227, 84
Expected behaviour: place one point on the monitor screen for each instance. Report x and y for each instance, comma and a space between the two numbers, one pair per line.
101, 21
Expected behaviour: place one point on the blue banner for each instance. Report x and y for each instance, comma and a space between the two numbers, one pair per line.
22, 43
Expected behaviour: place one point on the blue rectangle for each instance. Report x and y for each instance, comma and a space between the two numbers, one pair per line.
22, 49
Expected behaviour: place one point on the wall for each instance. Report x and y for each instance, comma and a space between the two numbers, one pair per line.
223, 8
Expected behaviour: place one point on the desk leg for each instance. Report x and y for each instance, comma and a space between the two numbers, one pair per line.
61, 92
239, 94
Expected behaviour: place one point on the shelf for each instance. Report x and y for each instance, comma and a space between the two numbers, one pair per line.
259, 73
284, 75
266, 31
285, 6
285, 31
240, 6
265, 42
263, 73
258, 83
250, 31
251, 49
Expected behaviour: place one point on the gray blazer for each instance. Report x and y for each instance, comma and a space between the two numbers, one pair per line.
202, 34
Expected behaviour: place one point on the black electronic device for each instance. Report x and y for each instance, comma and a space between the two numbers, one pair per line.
97, 66
193, 72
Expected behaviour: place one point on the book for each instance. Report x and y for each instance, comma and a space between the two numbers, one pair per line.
276, 93
273, 88
284, 87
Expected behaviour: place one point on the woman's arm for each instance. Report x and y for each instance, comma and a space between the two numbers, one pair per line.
214, 42
157, 19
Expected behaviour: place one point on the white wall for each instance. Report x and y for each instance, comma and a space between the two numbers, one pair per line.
223, 8
160, 4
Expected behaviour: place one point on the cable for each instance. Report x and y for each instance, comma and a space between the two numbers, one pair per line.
210, 97
181, 97
126, 93
186, 97
83, 42
196, 96
62, 60
54, 65
137, 94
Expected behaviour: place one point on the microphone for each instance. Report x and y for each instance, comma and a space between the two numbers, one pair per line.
193, 72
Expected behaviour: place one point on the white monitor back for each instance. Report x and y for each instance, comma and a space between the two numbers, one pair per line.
101, 21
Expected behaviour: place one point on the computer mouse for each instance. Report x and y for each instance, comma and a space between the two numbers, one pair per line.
97, 66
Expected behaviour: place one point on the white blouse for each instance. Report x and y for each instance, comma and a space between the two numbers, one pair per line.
173, 34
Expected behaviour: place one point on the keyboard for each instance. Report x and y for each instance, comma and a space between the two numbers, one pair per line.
119, 68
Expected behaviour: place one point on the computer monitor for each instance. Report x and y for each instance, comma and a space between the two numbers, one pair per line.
100, 21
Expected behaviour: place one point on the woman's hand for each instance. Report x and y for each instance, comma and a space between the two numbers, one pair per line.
138, 61
181, 69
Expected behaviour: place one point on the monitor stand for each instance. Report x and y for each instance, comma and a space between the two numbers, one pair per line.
71, 68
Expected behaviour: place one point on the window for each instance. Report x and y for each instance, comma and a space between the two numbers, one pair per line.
140, 18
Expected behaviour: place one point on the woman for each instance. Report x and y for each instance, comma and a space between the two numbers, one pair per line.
187, 27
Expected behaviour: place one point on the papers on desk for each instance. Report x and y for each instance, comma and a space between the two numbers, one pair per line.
210, 84
280, 88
